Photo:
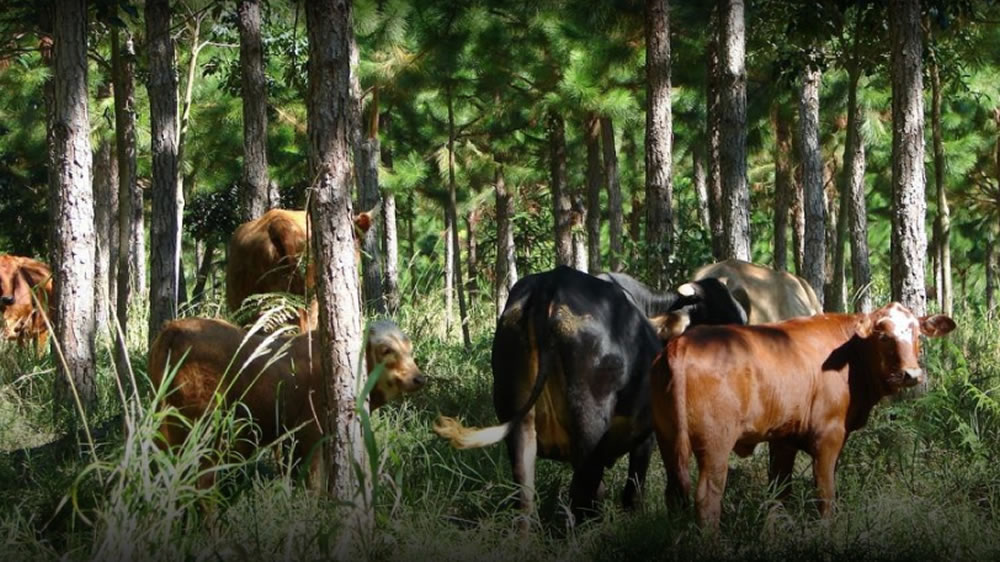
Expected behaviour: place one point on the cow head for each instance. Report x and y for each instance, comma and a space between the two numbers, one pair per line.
9, 266
706, 301
892, 333
388, 345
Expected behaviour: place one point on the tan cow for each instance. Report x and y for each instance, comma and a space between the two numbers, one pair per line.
22, 316
266, 256
767, 295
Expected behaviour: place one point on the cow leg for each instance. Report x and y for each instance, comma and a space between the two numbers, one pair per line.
713, 469
781, 463
675, 463
638, 464
584, 487
522, 449
824, 465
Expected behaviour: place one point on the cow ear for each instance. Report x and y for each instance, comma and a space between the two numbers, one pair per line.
671, 324
865, 326
363, 222
936, 326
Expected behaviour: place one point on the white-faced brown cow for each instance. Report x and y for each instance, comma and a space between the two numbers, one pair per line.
280, 391
801, 385
767, 295
266, 256
25, 290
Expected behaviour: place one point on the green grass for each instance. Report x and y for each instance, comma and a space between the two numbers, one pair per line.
920, 481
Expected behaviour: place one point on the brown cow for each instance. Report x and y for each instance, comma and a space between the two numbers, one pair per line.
767, 295
281, 391
265, 257
803, 384
23, 315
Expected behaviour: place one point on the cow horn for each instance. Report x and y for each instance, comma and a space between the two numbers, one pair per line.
687, 290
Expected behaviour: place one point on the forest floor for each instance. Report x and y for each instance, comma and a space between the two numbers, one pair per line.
920, 481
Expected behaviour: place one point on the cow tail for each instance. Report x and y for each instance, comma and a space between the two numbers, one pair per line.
462, 437
682, 439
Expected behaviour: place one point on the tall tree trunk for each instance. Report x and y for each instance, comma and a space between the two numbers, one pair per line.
106, 224
733, 129
165, 230
909, 240
701, 187
204, 271
579, 234
782, 185
255, 196
506, 265
814, 253
838, 291
942, 221
854, 174
798, 222
989, 267
390, 239
73, 210
562, 206
131, 230
637, 209
366, 168
453, 219
329, 103
713, 125
659, 148
449, 273
616, 218
472, 263
595, 173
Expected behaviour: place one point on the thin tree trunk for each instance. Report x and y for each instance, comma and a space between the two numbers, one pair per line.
453, 219
204, 271
659, 149
449, 273
637, 209
798, 221
366, 168
989, 268
701, 187
616, 218
782, 185
72, 214
131, 231
165, 230
909, 239
505, 268
854, 174
106, 224
713, 132
733, 129
595, 176
562, 206
472, 263
839, 284
329, 104
579, 235
390, 239
942, 222
814, 253
255, 188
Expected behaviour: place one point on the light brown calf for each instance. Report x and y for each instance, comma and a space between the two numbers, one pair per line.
23, 319
767, 295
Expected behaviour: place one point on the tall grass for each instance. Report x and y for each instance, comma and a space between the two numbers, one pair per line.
920, 481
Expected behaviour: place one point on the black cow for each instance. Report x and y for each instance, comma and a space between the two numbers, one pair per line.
571, 360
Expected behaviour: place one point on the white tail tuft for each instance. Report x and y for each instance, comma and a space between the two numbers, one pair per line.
462, 437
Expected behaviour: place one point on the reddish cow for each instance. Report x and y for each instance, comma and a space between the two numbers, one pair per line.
801, 385
20, 279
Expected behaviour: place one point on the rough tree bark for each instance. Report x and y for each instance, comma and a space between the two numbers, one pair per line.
390, 238
472, 252
659, 132
453, 220
733, 129
942, 221
814, 254
595, 178
506, 265
578, 233
72, 212
713, 134
255, 196
782, 185
105, 226
701, 187
854, 174
329, 103
165, 229
838, 289
366, 168
616, 217
562, 206
909, 239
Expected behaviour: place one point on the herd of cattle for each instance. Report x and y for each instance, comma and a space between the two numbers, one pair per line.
585, 368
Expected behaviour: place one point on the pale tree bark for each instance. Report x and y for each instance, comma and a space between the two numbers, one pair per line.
472, 252
453, 220
366, 168
390, 238
131, 229
637, 210
105, 225
165, 229
798, 221
713, 133
616, 218
733, 129
659, 148
701, 187
942, 221
562, 206
782, 185
449, 273
595, 178
854, 174
909, 239
506, 266
329, 103
255, 185
72, 213
838, 290
578, 232
814, 253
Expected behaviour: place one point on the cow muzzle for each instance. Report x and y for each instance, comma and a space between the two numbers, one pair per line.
913, 377
6, 300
